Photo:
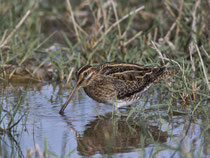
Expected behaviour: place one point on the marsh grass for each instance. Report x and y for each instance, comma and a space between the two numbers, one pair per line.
10, 117
60, 38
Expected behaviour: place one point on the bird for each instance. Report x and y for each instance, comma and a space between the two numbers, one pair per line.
120, 84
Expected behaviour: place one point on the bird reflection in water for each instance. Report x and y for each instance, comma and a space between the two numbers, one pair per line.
106, 135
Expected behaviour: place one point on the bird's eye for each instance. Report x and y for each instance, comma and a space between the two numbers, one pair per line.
85, 74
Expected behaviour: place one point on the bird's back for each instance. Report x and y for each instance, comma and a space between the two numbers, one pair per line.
123, 83
130, 80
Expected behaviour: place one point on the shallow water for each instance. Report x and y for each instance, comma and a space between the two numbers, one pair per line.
90, 129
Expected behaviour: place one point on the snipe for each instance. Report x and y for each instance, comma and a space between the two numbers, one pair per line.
116, 83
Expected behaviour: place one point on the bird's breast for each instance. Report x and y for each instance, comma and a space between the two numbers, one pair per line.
101, 91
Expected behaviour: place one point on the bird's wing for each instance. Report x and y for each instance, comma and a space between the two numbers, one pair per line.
129, 79
131, 82
112, 68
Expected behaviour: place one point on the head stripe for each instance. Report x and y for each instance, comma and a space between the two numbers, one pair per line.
82, 69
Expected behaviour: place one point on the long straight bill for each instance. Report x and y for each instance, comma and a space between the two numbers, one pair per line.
68, 100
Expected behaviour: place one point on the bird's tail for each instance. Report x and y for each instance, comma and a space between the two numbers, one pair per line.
164, 73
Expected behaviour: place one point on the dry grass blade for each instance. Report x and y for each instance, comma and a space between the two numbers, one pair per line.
191, 58
116, 23
133, 38
75, 25
193, 26
208, 56
197, 4
167, 36
171, 60
178, 19
3, 37
191, 46
202, 64
73, 20
116, 16
159, 52
4, 42
169, 9
104, 13
193, 67
70, 74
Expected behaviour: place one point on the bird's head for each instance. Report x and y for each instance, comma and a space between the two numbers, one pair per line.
84, 76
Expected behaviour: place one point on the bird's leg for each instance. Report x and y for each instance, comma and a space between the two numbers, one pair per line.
115, 109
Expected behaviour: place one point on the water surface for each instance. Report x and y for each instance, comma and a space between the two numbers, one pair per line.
90, 129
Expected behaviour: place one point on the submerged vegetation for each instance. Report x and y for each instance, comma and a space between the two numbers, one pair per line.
48, 40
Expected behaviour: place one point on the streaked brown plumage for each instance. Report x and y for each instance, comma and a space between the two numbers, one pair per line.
116, 83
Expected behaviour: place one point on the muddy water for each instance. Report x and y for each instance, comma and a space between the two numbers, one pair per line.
89, 129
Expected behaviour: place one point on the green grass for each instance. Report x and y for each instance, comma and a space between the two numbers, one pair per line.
49, 40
